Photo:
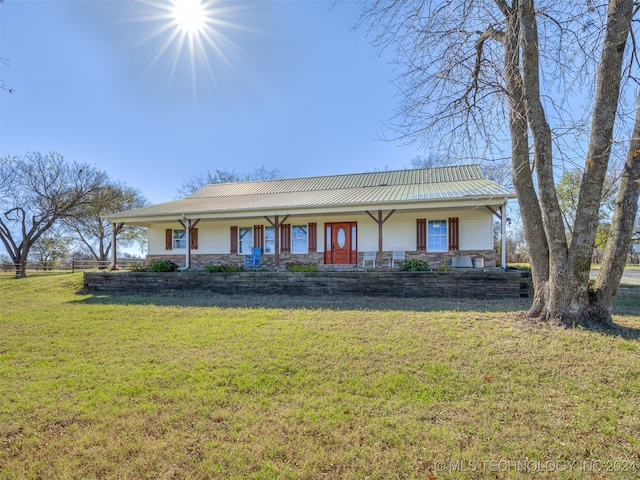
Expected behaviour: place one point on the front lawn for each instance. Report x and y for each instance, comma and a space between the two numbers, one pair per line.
205, 387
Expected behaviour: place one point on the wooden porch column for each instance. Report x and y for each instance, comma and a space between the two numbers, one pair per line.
276, 236
114, 258
187, 231
187, 228
501, 214
380, 221
503, 235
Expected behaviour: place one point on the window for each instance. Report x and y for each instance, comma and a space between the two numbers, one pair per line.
269, 240
437, 236
299, 239
245, 240
179, 239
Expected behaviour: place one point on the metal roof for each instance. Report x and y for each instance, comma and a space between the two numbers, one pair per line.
348, 181
391, 189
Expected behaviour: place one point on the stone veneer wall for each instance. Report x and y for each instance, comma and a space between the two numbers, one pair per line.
472, 283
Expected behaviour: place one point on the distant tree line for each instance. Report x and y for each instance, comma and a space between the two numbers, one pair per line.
196, 182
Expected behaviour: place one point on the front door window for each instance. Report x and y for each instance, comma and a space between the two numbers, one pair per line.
342, 237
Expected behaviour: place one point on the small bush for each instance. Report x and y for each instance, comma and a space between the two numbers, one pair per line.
414, 266
163, 266
301, 267
223, 268
444, 268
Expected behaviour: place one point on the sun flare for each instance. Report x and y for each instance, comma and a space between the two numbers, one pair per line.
189, 15
193, 34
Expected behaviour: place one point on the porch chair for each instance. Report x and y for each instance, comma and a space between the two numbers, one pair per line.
397, 256
253, 260
369, 257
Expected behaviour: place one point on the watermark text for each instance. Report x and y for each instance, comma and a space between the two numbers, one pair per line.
532, 466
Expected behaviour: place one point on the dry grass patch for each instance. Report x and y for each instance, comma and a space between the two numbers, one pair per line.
194, 387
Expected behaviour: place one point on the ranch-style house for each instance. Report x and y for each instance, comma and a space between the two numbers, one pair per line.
434, 214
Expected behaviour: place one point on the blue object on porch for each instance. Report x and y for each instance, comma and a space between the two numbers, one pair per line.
253, 260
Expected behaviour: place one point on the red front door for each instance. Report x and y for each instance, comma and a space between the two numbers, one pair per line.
340, 243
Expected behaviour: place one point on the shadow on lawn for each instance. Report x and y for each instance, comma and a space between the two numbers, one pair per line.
314, 303
627, 304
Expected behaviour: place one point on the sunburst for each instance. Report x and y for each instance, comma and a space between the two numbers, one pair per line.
190, 15
192, 31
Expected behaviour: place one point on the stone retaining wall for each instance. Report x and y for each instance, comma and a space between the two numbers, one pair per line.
468, 284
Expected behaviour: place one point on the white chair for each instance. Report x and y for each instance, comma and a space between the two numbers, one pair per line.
369, 257
397, 256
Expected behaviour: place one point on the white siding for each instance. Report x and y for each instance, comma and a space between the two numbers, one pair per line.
399, 231
476, 229
157, 238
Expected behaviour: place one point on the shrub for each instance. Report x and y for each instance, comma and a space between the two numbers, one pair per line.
223, 268
301, 267
414, 266
163, 266
444, 268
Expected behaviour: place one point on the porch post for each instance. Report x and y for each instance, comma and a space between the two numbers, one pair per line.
503, 234
380, 221
276, 240
187, 229
275, 223
114, 247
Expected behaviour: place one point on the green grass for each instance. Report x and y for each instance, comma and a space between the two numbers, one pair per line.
232, 387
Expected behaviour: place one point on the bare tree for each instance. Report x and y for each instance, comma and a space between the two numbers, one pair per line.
36, 191
88, 224
475, 73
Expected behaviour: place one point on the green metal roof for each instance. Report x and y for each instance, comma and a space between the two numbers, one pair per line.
343, 182
390, 189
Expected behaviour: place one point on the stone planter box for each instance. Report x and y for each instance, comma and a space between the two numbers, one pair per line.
466, 284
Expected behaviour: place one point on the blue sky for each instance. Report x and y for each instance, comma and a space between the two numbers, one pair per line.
292, 87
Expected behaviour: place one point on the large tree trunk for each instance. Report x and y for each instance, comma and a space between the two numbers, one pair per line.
522, 180
559, 295
565, 298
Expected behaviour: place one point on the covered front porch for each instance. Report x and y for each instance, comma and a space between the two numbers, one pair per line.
433, 215
382, 260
